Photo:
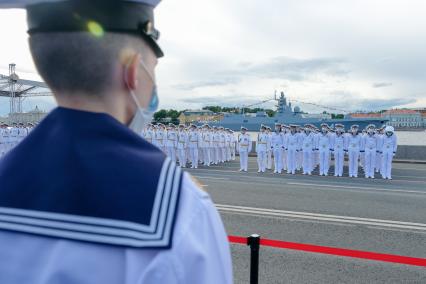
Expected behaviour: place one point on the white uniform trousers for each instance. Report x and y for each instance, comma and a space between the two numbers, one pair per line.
324, 159
353, 162
171, 152
233, 153
269, 159
261, 160
182, 157
339, 158
278, 160
284, 155
307, 161
214, 155
369, 162
291, 161
244, 160
299, 158
387, 164
207, 156
228, 153
223, 154
378, 162
193, 155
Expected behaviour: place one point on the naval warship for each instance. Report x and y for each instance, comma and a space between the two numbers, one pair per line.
286, 114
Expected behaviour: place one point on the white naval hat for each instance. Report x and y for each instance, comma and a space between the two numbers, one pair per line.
389, 129
119, 16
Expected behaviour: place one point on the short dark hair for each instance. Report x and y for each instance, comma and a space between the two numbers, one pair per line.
78, 62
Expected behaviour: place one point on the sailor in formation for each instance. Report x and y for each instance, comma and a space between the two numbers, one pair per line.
269, 150
388, 146
262, 144
244, 148
171, 142
324, 146
194, 140
233, 144
292, 149
370, 145
315, 147
277, 148
308, 146
11, 136
285, 130
354, 148
182, 141
193, 145
206, 140
338, 146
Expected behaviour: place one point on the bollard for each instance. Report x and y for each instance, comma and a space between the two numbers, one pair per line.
254, 242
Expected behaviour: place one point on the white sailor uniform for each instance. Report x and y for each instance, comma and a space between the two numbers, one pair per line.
244, 148
389, 147
261, 148
354, 146
277, 144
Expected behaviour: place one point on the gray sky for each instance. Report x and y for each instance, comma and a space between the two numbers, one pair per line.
353, 55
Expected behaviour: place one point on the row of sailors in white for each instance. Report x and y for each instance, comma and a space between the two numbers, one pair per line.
206, 145
10, 136
295, 148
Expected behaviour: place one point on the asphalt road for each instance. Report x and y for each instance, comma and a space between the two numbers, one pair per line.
383, 216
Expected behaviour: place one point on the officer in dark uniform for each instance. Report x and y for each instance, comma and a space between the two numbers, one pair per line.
93, 201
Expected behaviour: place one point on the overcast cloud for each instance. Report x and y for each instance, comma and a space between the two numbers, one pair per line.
353, 55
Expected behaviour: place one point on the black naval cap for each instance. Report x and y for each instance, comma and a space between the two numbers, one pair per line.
95, 16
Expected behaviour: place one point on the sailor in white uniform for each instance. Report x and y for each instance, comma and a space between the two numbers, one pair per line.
216, 145
206, 143
182, 143
193, 142
354, 146
292, 143
268, 149
233, 144
244, 148
284, 133
338, 144
379, 153
277, 144
308, 147
95, 203
171, 142
261, 148
371, 141
389, 147
148, 133
222, 146
324, 146
160, 137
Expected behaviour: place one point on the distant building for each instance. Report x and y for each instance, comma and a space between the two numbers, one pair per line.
203, 115
34, 116
404, 118
422, 111
366, 115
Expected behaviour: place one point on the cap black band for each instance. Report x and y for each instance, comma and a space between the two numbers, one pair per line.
110, 15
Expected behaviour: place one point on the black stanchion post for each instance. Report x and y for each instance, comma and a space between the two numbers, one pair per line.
254, 242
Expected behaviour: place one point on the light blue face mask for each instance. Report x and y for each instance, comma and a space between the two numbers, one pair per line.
143, 116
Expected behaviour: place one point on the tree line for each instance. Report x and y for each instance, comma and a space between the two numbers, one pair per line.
172, 115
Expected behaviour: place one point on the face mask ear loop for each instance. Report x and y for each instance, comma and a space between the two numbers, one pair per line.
132, 93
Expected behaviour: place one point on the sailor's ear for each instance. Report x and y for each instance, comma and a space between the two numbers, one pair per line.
131, 72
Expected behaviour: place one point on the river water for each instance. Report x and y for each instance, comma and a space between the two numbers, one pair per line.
404, 137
